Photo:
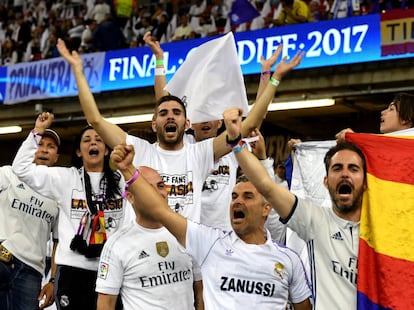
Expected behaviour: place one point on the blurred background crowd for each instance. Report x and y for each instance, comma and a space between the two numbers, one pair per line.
29, 29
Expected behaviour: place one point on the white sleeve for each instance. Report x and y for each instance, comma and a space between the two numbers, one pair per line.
204, 156
110, 271
47, 181
306, 218
199, 240
299, 288
268, 164
3, 178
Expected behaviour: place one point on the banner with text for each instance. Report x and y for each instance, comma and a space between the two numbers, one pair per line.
328, 43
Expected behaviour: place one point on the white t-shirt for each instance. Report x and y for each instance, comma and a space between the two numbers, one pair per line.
333, 253
66, 186
216, 195
26, 220
182, 171
237, 275
148, 268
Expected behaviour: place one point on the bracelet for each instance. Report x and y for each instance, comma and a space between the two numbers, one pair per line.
159, 71
264, 73
130, 181
159, 62
36, 133
274, 82
234, 142
52, 280
239, 146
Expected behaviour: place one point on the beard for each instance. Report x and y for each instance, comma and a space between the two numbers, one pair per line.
170, 141
348, 207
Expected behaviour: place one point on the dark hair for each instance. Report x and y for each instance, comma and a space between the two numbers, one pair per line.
112, 177
172, 98
344, 146
404, 103
242, 178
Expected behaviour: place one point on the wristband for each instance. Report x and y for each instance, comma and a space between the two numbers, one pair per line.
36, 133
264, 73
159, 71
234, 142
159, 62
52, 280
239, 146
130, 181
274, 82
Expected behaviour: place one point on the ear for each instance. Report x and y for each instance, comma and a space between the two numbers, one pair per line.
325, 181
78, 153
57, 158
219, 124
154, 126
106, 151
187, 123
267, 207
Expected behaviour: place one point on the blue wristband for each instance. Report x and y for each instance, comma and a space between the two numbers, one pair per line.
239, 146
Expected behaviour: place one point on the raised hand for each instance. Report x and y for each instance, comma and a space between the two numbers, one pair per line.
43, 121
72, 58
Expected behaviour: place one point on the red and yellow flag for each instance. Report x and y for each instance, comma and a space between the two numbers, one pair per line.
386, 249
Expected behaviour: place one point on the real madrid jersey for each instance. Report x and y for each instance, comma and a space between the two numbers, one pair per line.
333, 252
148, 268
237, 275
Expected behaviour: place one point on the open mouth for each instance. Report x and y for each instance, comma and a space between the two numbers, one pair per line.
345, 189
171, 128
205, 128
43, 158
93, 152
238, 214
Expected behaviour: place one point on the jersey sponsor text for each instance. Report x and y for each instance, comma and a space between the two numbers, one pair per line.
247, 286
33, 208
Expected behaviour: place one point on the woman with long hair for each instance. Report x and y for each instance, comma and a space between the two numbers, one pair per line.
89, 194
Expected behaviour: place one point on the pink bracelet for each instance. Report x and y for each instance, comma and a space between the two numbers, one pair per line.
36, 133
129, 182
264, 73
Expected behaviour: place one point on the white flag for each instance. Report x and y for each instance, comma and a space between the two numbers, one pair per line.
210, 80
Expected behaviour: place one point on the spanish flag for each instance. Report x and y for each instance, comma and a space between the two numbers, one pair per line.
397, 32
386, 249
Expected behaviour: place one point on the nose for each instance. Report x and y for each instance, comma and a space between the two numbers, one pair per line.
42, 148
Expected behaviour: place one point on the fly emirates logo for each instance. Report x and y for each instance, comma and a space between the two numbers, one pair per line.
33, 207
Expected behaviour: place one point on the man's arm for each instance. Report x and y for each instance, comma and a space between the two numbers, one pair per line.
304, 305
279, 197
47, 291
146, 199
160, 80
110, 133
106, 302
259, 110
198, 295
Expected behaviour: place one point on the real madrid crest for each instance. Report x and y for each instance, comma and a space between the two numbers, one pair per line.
279, 269
162, 248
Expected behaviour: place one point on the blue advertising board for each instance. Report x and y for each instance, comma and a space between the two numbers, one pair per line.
326, 43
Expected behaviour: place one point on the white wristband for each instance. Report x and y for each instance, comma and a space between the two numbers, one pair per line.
159, 71
274, 82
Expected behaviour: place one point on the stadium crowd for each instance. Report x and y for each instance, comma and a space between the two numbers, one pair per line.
30, 29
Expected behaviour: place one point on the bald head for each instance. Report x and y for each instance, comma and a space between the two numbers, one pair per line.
154, 178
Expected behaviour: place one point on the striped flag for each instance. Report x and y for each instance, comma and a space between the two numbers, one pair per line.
396, 32
386, 250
